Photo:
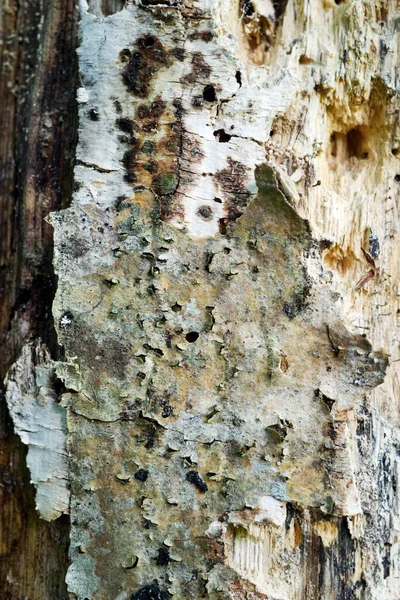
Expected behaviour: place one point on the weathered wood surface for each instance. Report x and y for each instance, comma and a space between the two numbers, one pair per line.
228, 302
37, 147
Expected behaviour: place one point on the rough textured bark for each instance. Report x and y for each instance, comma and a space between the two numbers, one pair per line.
227, 306
37, 146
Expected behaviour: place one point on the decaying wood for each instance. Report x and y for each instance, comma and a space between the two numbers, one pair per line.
37, 146
230, 391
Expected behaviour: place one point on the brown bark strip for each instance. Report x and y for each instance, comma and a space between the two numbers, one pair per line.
37, 144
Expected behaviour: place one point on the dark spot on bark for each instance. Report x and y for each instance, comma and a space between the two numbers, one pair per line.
179, 110
192, 336
141, 475
150, 126
151, 592
125, 125
167, 411
194, 478
247, 8
165, 184
179, 54
157, 107
200, 70
397, 178
232, 181
118, 107
374, 246
209, 93
143, 64
222, 136
223, 225
238, 77
148, 147
325, 244
298, 303
205, 212
93, 114
130, 163
150, 167
143, 111
198, 101
206, 36
124, 56
163, 558
147, 42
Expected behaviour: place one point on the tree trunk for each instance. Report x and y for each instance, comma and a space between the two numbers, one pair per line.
37, 147
218, 415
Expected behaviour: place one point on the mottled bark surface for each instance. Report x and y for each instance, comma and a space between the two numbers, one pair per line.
37, 147
227, 306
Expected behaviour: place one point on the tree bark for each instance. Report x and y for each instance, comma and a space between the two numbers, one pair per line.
37, 149
219, 412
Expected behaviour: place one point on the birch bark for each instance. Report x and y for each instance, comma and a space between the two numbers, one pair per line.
228, 302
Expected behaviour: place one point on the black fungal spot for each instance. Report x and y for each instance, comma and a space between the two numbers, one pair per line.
163, 558
192, 336
151, 592
194, 478
222, 136
179, 54
143, 111
93, 114
129, 162
205, 212
209, 93
125, 125
141, 475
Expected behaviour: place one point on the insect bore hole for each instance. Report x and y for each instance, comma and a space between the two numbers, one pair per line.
209, 93
148, 42
192, 336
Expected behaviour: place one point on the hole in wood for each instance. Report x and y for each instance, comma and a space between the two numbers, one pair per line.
209, 93
222, 136
348, 145
192, 336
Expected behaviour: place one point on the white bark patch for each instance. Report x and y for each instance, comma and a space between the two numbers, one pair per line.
40, 423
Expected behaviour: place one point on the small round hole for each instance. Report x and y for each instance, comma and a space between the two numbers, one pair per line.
148, 42
192, 336
209, 93
397, 178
